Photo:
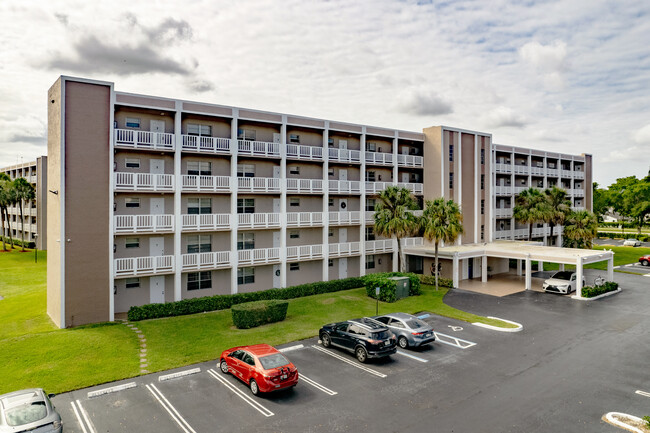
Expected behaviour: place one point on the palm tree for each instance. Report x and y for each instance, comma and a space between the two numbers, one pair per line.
580, 229
392, 218
5, 183
559, 206
441, 221
530, 208
24, 193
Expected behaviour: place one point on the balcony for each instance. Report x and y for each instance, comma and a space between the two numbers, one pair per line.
345, 218
380, 246
578, 192
503, 234
552, 172
144, 182
258, 184
193, 143
412, 242
304, 252
143, 139
260, 256
196, 183
566, 173
537, 171
379, 158
370, 217
344, 186
415, 188
206, 261
345, 249
503, 168
344, 155
503, 212
143, 224
577, 208
206, 222
518, 189
307, 153
579, 174
258, 220
410, 161
376, 187
305, 186
520, 233
305, 219
32, 179
258, 148
540, 231
521, 169
142, 266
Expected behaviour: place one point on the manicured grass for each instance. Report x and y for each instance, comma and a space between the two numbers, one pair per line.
622, 256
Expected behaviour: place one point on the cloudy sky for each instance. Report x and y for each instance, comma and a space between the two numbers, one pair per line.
570, 76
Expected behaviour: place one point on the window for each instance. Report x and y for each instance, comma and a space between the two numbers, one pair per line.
294, 266
371, 147
294, 170
294, 202
294, 138
330, 142
370, 204
245, 205
196, 129
132, 283
330, 172
246, 134
132, 242
199, 280
482, 181
451, 180
245, 170
482, 156
132, 163
370, 176
331, 202
294, 234
199, 244
482, 232
330, 233
245, 241
330, 263
132, 202
199, 206
370, 262
370, 233
451, 152
482, 207
245, 275
132, 122
202, 168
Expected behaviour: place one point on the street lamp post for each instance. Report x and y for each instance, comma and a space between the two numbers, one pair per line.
35, 248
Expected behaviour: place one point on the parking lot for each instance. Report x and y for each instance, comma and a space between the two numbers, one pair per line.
572, 363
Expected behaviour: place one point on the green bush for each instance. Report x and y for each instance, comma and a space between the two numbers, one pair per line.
17, 242
223, 302
642, 238
431, 281
387, 288
592, 292
253, 314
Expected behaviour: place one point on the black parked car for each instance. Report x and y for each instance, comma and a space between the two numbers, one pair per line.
366, 338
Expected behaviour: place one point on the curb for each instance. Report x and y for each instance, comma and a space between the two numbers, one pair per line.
608, 417
613, 292
496, 328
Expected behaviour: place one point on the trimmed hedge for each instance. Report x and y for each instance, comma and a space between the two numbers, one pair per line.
642, 238
387, 287
592, 292
253, 314
431, 280
18, 242
223, 302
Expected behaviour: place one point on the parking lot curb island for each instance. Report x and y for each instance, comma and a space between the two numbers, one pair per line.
609, 417
518, 328
613, 292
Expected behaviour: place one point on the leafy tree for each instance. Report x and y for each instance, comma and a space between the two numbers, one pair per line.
441, 221
24, 192
621, 199
580, 229
639, 195
556, 208
530, 208
5, 184
392, 218
601, 201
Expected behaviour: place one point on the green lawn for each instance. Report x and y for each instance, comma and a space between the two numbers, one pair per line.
35, 353
622, 256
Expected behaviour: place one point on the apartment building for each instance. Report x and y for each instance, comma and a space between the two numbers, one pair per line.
34, 211
156, 199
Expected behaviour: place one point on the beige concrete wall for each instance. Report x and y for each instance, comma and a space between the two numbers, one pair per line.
382, 174
498, 265
354, 172
145, 162
308, 203
220, 127
353, 268
263, 203
41, 202
220, 285
469, 185
354, 142
145, 116
309, 272
121, 252
262, 168
307, 170
263, 280
383, 263
432, 159
263, 238
220, 166
310, 236
263, 131
382, 144
353, 203
353, 234
220, 240
446, 267
308, 137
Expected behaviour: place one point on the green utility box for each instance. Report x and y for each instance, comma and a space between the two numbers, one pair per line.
402, 286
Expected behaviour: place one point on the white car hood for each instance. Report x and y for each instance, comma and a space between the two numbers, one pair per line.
556, 282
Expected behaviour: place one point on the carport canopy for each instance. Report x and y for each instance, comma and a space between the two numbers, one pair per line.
520, 250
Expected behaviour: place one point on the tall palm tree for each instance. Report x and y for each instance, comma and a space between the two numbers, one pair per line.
441, 221
5, 184
24, 193
392, 218
580, 229
530, 208
559, 207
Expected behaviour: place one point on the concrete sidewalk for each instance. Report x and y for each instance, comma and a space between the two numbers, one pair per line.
501, 284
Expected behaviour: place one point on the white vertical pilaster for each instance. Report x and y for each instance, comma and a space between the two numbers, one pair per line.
519, 267
395, 181
528, 272
325, 206
283, 202
178, 223
459, 178
579, 277
610, 269
455, 276
234, 257
477, 190
561, 267
362, 205
484, 269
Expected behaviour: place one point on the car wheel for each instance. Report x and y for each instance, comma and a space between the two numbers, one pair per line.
645, 263
224, 366
361, 354
326, 340
403, 342
254, 388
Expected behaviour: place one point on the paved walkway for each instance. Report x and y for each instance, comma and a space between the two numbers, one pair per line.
501, 284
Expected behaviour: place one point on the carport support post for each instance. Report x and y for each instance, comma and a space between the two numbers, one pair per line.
519, 267
561, 267
529, 265
455, 271
540, 265
610, 269
579, 277
484, 266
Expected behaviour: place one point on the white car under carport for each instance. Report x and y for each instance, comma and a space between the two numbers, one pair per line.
563, 282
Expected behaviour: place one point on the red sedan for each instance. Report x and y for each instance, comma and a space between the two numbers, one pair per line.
262, 367
645, 260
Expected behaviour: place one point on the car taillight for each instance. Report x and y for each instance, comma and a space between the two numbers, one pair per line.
417, 333
374, 341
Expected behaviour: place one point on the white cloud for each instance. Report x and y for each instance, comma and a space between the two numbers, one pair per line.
549, 61
504, 117
424, 103
642, 136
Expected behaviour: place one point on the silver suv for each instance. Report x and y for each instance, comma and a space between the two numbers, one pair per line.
28, 410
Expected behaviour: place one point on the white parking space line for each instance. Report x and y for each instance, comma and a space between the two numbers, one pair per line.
643, 393
83, 419
417, 358
354, 364
453, 341
184, 425
317, 385
290, 348
261, 409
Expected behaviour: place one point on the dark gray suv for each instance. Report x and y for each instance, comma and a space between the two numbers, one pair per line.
364, 337
409, 330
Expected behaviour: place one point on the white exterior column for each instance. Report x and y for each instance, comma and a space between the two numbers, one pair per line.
178, 218
519, 267
283, 202
362, 205
528, 273
234, 254
484, 269
455, 277
395, 181
477, 190
610, 269
540, 265
325, 206
459, 178
579, 277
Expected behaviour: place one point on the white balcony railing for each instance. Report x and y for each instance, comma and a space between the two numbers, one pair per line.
503, 234
258, 220
380, 246
379, 158
209, 260
503, 212
537, 171
370, 216
304, 252
578, 208
503, 190
258, 148
305, 186
579, 174
578, 192
259, 256
503, 168
344, 249
376, 187
345, 187
566, 173
553, 172
410, 161
202, 183
415, 188
258, 184
310, 153
206, 222
540, 231
143, 139
520, 233
143, 223
344, 155
412, 242
345, 218
518, 189
137, 266
202, 144
521, 169
144, 182
305, 219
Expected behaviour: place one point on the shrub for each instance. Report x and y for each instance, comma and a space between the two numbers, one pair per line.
431, 280
252, 314
592, 292
387, 288
642, 238
646, 419
18, 242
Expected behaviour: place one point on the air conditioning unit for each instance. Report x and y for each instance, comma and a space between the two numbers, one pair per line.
413, 151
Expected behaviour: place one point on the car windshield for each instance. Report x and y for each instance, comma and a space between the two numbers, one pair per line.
416, 323
563, 275
273, 361
26, 413
382, 335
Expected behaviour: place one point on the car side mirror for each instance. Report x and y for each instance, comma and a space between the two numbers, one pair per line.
51, 395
